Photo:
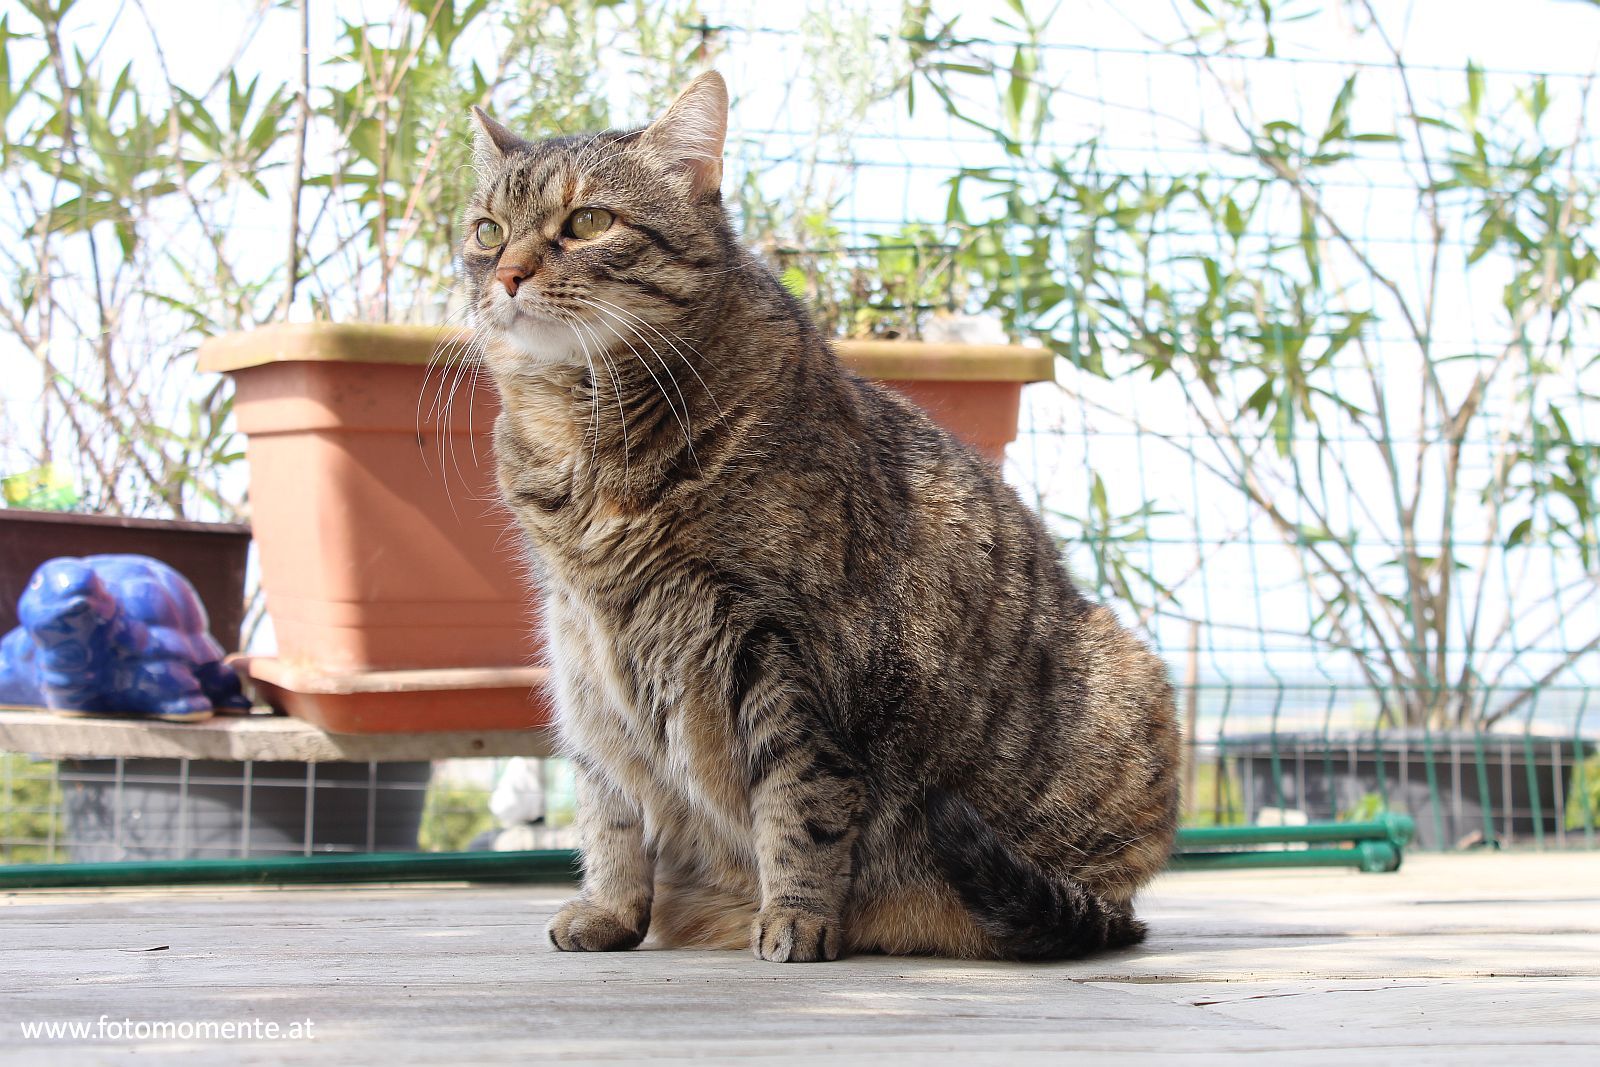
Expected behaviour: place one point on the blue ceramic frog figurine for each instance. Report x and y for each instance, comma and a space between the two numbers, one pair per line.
115, 635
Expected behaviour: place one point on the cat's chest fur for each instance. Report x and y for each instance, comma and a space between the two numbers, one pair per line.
639, 696
634, 645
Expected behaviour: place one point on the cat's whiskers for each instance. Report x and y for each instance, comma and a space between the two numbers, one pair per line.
619, 145
436, 359
622, 415
446, 437
472, 398
587, 151
683, 419
617, 313
471, 365
622, 323
587, 157
568, 321
451, 354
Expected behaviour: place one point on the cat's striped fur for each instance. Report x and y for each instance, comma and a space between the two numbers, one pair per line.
825, 683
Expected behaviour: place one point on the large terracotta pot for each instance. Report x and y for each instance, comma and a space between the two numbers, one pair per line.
974, 391
382, 540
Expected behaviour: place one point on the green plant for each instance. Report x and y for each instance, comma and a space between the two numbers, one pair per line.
1216, 798
452, 815
132, 205
1583, 796
1411, 480
47, 488
1368, 807
31, 826
886, 288
1117, 543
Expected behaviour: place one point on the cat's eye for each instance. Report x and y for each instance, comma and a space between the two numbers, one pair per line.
491, 234
587, 222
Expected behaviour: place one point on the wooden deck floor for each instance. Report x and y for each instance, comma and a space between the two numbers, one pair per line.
1456, 959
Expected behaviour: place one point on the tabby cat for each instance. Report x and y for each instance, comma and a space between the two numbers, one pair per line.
825, 683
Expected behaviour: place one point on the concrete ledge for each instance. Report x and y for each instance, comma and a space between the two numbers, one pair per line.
248, 737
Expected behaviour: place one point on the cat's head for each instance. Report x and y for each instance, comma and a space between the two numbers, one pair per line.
572, 242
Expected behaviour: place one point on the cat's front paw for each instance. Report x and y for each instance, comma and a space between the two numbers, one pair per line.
790, 935
584, 927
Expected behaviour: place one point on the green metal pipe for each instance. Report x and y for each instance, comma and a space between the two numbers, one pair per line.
1377, 848
1390, 827
1373, 856
554, 865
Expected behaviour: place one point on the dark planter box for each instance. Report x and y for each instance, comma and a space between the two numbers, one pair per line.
172, 810
160, 810
212, 556
1499, 788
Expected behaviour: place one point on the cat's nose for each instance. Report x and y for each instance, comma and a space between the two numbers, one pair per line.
510, 275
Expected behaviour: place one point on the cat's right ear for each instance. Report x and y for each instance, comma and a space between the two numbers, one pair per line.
692, 131
490, 140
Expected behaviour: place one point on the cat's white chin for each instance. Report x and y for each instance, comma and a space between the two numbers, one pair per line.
533, 340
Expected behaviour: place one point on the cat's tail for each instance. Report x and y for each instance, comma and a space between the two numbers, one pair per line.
1030, 913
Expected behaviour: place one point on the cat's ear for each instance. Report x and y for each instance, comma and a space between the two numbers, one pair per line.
692, 131
490, 140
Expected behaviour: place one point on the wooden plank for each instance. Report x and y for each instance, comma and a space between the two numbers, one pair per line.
248, 737
1454, 960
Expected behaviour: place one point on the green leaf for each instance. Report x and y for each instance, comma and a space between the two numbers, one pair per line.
1488, 234
1339, 115
127, 237
1537, 99
1017, 92
1261, 398
1474, 91
1349, 332
794, 279
1283, 428
1309, 245
1232, 218
8, 96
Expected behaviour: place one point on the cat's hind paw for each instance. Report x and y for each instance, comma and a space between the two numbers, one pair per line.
790, 935
584, 927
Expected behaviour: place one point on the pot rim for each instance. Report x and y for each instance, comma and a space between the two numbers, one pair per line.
411, 345
124, 522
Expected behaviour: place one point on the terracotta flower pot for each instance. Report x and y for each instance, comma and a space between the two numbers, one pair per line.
382, 540
974, 391
382, 546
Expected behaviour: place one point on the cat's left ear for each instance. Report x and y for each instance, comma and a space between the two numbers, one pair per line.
490, 140
692, 131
